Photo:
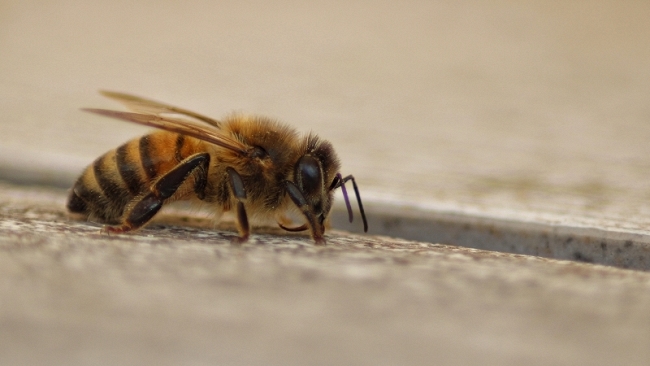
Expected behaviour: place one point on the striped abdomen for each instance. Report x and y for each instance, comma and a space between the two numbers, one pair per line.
107, 186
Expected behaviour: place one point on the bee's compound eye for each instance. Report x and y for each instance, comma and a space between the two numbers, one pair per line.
309, 174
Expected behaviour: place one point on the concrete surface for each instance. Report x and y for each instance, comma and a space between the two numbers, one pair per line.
600, 245
180, 293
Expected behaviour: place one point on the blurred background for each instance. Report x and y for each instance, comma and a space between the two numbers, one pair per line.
529, 110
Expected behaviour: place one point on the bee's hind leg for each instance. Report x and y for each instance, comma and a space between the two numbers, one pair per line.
149, 204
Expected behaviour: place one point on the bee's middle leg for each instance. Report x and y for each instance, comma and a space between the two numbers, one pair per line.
149, 204
238, 190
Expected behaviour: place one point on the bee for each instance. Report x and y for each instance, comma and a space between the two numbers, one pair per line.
252, 165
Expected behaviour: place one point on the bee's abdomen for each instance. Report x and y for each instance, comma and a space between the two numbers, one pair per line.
107, 186
101, 192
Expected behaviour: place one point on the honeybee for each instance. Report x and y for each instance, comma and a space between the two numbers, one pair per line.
252, 164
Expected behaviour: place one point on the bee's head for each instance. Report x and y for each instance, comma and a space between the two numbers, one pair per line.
310, 190
316, 176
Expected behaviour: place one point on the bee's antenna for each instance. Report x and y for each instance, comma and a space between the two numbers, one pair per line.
341, 183
345, 195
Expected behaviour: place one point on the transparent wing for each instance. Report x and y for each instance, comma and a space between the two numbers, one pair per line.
146, 106
211, 135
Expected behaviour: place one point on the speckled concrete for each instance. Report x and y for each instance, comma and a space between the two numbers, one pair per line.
179, 292
600, 245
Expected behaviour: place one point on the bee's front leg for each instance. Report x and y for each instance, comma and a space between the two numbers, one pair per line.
238, 190
149, 204
299, 199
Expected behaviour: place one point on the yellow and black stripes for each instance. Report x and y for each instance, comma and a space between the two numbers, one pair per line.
146, 157
99, 192
165, 187
110, 187
116, 178
128, 169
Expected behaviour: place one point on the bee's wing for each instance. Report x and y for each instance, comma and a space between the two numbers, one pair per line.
146, 106
211, 135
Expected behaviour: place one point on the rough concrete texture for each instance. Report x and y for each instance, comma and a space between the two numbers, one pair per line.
600, 245
179, 292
